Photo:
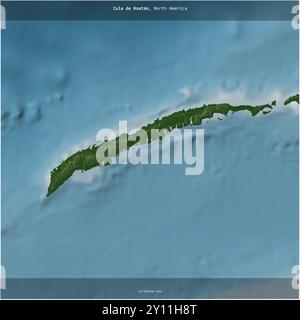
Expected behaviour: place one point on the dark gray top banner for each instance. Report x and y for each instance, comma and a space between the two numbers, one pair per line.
149, 10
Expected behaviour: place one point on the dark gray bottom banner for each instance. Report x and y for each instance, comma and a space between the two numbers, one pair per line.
188, 288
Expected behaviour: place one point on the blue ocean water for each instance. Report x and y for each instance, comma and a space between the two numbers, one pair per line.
63, 81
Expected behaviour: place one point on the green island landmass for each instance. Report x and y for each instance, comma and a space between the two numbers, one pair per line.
86, 159
294, 98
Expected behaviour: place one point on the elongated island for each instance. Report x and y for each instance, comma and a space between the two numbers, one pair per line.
86, 159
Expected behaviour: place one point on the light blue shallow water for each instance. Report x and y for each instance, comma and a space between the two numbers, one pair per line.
64, 81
